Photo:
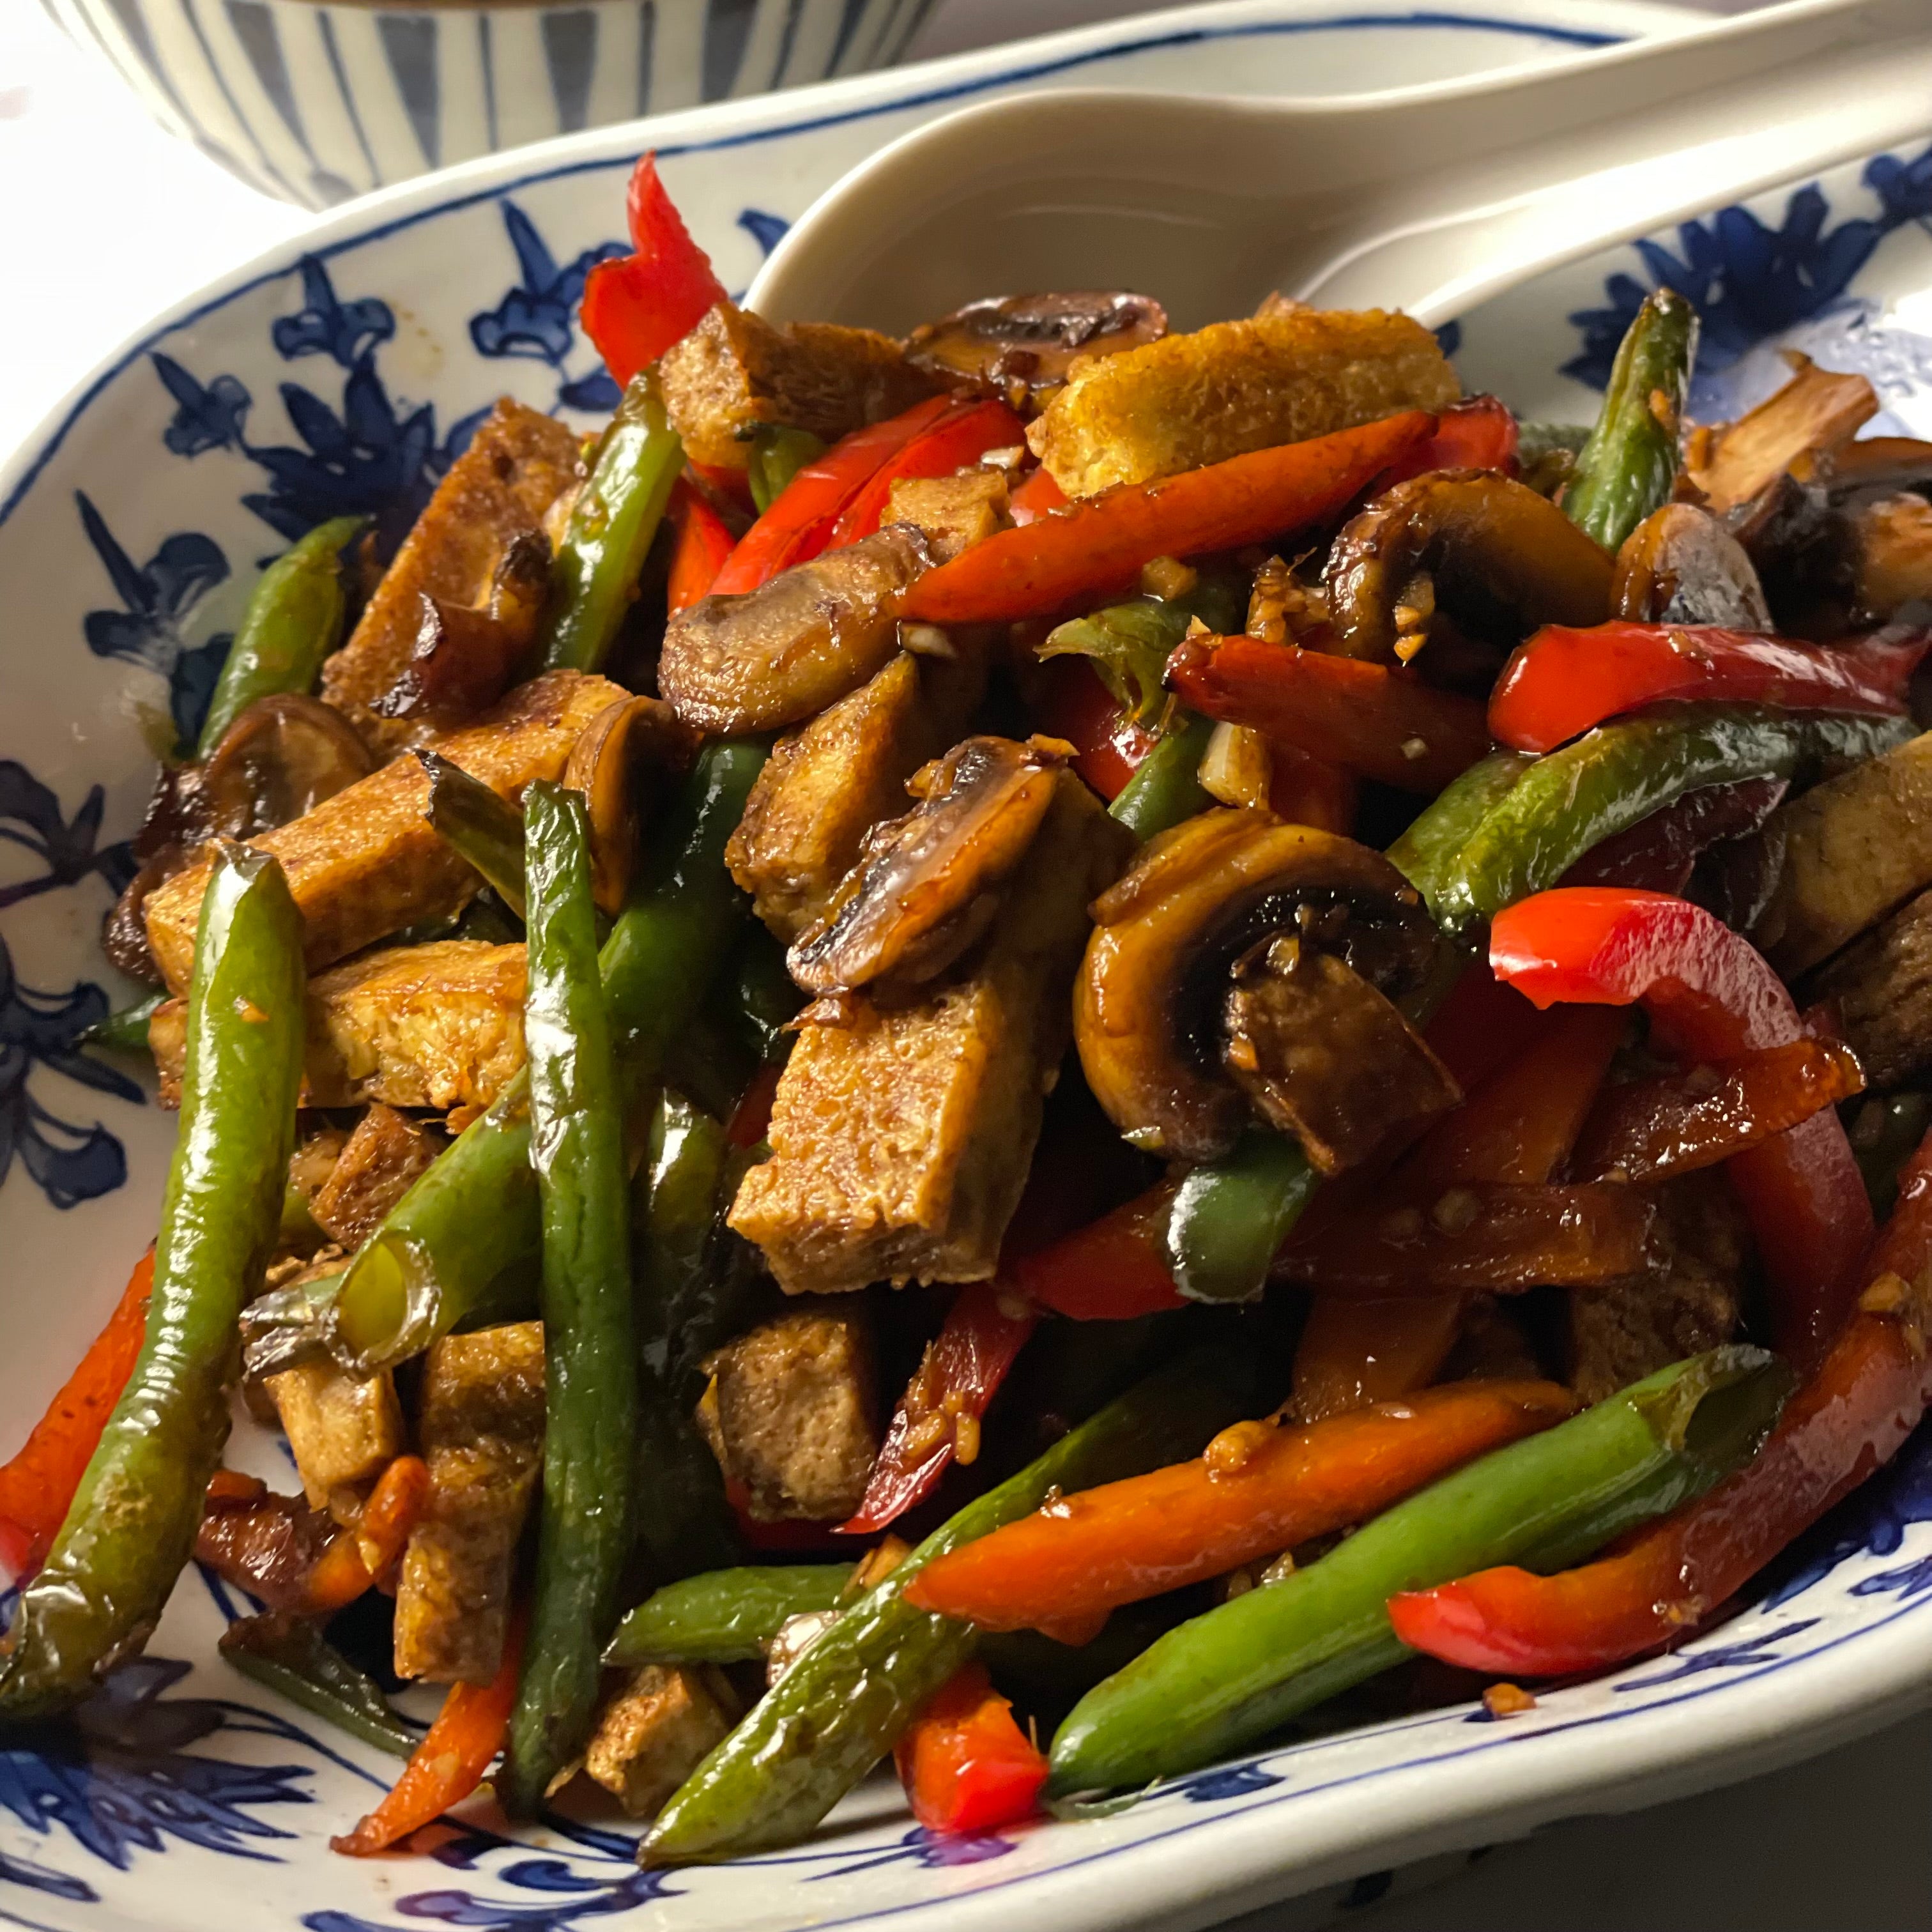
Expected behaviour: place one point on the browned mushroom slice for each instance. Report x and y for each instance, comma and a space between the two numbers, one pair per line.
783, 652
1158, 990
1680, 566
1880, 463
1890, 544
1736, 467
466, 657
1020, 347
624, 764
1497, 557
927, 885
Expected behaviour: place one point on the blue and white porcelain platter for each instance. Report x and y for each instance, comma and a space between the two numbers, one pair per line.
343, 378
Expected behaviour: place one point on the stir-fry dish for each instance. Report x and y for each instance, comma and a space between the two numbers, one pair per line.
1019, 1050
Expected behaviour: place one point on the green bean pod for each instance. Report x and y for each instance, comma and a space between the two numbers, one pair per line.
844, 1704
124, 1031
594, 577
1629, 467
727, 1616
465, 1237
291, 1657
590, 1361
478, 825
131, 1526
1220, 1683
1230, 1217
293, 621
1166, 789
778, 453
1612, 778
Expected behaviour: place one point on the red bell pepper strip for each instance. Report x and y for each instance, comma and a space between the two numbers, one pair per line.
1384, 723
452, 1760
704, 541
1259, 1488
938, 1416
1074, 705
1110, 1270
751, 1118
1657, 854
1103, 540
966, 1765
37, 1486
1479, 433
957, 438
1562, 681
1849, 1419
1037, 495
1711, 996
800, 523
636, 306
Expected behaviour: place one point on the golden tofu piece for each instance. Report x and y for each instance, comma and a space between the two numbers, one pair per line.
518, 464
1856, 848
1234, 386
823, 788
901, 1141
480, 1427
657, 1731
366, 862
955, 512
439, 1026
734, 371
342, 1430
790, 1414
385, 1157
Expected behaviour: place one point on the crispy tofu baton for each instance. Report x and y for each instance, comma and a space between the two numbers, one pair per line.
518, 464
656, 1731
734, 371
901, 1141
481, 1428
366, 862
1234, 386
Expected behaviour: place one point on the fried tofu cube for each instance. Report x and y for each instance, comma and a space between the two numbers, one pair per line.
823, 788
955, 512
518, 465
1186, 400
734, 371
480, 1428
791, 1413
656, 1731
366, 862
901, 1141
342, 1429
385, 1157
439, 1026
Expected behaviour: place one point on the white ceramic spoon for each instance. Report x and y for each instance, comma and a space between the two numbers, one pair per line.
1428, 199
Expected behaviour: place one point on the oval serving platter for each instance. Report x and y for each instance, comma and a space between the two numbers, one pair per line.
340, 373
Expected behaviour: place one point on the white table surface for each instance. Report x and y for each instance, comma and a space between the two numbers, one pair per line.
104, 219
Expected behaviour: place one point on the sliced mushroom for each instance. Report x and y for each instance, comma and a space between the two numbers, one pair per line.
928, 885
1498, 558
1736, 468
1020, 347
1680, 566
281, 756
1890, 545
781, 653
465, 658
623, 764
1245, 965
1881, 463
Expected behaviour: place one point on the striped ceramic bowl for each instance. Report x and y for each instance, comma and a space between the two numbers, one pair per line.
315, 101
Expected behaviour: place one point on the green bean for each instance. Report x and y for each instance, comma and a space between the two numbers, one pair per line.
293, 621
1219, 1683
290, 1656
1629, 467
126, 1029
778, 453
765, 998
727, 1616
594, 577
132, 1523
842, 1706
1611, 778
466, 1236
1165, 788
590, 1361
478, 825
1230, 1217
